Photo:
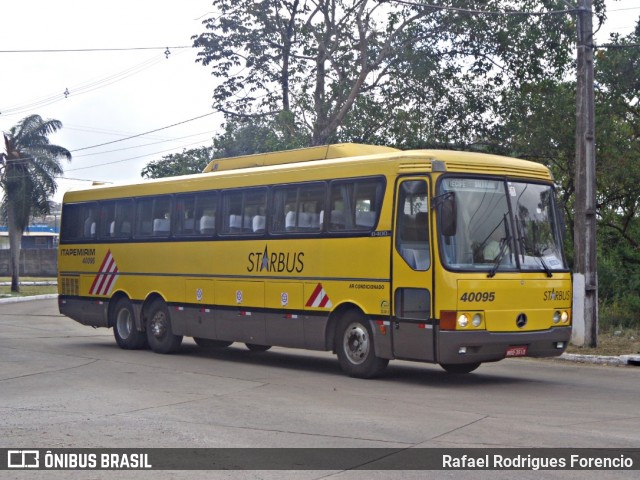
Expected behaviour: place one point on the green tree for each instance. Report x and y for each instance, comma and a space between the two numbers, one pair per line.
618, 136
537, 121
247, 136
241, 136
28, 169
618, 178
185, 163
378, 68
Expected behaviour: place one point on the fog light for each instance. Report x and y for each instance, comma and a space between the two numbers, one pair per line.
477, 320
463, 321
560, 345
462, 350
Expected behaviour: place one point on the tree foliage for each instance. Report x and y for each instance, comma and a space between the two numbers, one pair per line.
327, 61
618, 130
28, 170
415, 75
537, 122
185, 163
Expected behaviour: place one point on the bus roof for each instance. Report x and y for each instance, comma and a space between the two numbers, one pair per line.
360, 157
324, 152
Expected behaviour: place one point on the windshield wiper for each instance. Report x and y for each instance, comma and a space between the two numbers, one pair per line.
544, 264
535, 250
504, 247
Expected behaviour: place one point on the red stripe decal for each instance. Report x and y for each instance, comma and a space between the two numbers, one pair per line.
314, 295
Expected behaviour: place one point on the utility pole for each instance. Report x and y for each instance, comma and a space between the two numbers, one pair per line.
584, 234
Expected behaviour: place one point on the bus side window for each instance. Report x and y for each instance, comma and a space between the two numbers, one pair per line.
78, 222
244, 211
205, 213
284, 216
255, 206
162, 216
120, 227
412, 230
90, 223
107, 213
144, 218
355, 204
312, 199
232, 212
298, 209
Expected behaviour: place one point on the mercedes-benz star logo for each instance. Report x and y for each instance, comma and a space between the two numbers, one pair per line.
521, 321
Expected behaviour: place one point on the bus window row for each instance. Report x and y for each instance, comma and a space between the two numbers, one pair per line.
337, 206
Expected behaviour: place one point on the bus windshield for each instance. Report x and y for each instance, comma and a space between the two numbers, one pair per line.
502, 225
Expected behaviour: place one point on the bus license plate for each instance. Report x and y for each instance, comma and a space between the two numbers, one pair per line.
517, 351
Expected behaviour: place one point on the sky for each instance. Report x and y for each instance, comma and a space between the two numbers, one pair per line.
106, 96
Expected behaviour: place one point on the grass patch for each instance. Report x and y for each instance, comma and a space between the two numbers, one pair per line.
25, 289
612, 343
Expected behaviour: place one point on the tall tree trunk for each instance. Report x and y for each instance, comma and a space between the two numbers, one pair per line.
15, 240
319, 137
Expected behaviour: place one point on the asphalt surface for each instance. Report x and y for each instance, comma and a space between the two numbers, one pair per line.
64, 385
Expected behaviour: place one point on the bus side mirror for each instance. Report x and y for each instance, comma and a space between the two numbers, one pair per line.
448, 215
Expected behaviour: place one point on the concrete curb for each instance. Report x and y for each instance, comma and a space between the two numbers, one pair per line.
27, 299
621, 360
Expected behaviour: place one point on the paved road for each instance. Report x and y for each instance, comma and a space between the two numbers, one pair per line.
63, 385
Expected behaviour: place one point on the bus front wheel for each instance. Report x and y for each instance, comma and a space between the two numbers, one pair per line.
460, 368
159, 333
124, 327
355, 348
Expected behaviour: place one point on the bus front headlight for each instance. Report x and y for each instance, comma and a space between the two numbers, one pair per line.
463, 321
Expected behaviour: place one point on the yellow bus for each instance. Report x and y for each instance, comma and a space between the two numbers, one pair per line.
371, 252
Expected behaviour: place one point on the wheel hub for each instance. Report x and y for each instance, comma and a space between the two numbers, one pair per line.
158, 326
356, 343
124, 324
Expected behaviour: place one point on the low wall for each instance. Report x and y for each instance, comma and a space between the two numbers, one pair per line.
33, 262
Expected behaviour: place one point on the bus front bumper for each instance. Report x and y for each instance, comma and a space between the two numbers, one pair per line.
455, 347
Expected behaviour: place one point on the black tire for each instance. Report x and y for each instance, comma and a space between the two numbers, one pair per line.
355, 348
125, 332
159, 333
257, 348
208, 343
460, 368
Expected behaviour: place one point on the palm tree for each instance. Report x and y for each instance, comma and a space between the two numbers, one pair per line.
28, 170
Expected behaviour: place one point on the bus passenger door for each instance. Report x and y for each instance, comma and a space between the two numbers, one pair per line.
412, 278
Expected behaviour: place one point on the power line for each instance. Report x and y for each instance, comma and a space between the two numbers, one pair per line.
131, 158
83, 50
144, 145
623, 9
485, 12
614, 45
81, 88
142, 134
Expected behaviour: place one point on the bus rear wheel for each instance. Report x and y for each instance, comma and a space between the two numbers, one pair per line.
125, 332
159, 333
355, 348
460, 368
